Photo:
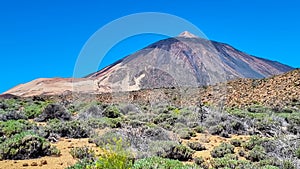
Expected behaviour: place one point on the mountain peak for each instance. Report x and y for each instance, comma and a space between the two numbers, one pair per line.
187, 34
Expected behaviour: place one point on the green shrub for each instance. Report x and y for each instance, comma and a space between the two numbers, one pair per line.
236, 142
196, 146
104, 122
29, 108
222, 150
135, 123
93, 111
157, 133
297, 153
26, 145
252, 142
115, 157
269, 161
82, 153
108, 138
34, 109
82, 164
11, 104
257, 109
257, 154
199, 129
71, 129
161, 163
11, 127
53, 111
12, 115
186, 133
242, 153
201, 162
112, 112
165, 118
269, 167
216, 130
172, 150
228, 162
288, 165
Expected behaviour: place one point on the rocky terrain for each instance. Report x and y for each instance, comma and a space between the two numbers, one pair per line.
55, 131
275, 91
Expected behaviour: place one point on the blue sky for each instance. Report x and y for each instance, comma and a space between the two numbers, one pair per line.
44, 38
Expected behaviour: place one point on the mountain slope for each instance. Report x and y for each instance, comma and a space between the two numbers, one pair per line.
185, 61
276, 91
182, 61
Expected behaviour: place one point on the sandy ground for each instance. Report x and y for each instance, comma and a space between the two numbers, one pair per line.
65, 160
211, 141
65, 145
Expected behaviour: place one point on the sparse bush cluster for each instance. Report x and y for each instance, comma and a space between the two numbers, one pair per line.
142, 136
196, 146
83, 153
70, 129
221, 150
53, 111
26, 145
162, 163
12, 127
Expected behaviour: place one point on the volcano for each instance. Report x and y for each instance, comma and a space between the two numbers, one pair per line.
182, 61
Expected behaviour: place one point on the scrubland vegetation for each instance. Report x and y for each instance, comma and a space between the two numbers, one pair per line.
144, 137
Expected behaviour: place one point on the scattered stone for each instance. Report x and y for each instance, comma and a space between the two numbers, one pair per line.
34, 164
43, 162
25, 164
61, 163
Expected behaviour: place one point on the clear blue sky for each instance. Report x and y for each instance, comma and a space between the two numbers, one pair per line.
42, 38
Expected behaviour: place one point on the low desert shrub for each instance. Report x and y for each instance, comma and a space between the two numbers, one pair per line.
82, 153
172, 150
104, 122
252, 142
26, 145
129, 108
242, 153
196, 146
286, 164
70, 129
34, 109
186, 133
229, 162
297, 153
92, 112
165, 118
269, 167
161, 163
222, 150
12, 115
82, 164
11, 127
53, 111
199, 129
201, 162
256, 154
216, 130
108, 138
112, 111
115, 157
236, 142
